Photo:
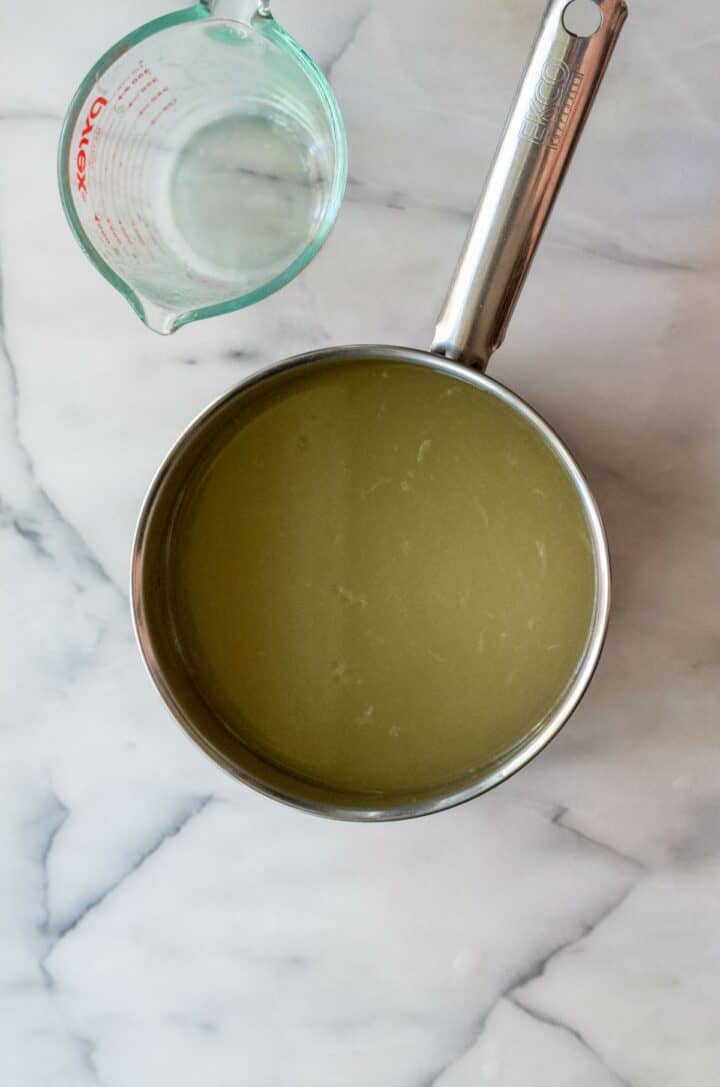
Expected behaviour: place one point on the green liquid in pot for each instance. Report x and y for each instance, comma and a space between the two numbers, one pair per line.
381, 578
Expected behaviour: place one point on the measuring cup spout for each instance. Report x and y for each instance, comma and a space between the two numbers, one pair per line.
157, 318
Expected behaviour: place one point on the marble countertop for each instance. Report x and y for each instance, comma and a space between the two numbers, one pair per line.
159, 923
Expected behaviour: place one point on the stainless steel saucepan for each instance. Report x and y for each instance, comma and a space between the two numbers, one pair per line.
564, 71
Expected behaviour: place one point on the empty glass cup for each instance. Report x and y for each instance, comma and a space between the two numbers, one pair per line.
202, 162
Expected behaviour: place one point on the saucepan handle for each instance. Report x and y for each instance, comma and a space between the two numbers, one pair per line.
565, 69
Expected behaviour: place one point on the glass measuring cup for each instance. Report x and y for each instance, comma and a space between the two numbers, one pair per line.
202, 162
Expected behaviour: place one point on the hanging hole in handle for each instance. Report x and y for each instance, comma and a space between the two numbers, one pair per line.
582, 18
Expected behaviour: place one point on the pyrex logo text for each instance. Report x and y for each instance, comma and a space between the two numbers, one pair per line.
81, 160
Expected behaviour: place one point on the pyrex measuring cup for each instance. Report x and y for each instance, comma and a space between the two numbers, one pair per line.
202, 162
563, 74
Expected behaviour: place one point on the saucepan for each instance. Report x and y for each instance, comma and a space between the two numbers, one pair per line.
566, 65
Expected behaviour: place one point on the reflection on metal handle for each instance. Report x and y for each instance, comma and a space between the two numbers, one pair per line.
557, 90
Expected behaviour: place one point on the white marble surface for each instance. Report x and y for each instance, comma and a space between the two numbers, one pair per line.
160, 924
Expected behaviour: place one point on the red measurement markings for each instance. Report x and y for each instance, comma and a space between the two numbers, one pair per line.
154, 240
133, 79
124, 231
168, 106
138, 235
153, 98
114, 234
102, 231
130, 235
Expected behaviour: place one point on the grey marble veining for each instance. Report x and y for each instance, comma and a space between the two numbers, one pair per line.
160, 924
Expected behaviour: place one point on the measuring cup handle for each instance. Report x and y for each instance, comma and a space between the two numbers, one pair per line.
556, 93
242, 10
